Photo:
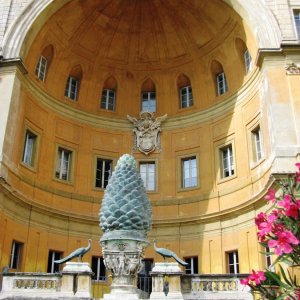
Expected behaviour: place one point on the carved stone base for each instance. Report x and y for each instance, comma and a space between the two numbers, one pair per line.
123, 258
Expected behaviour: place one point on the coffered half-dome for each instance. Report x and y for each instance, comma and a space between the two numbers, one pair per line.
132, 41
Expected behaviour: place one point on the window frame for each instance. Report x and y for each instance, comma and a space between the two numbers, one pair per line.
97, 273
148, 101
248, 61
235, 264
103, 158
105, 100
15, 260
68, 88
180, 168
34, 151
147, 162
257, 154
230, 161
193, 267
296, 22
70, 177
189, 95
55, 268
221, 89
38, 68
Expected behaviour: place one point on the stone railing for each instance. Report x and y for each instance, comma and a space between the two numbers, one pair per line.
215, 286
29, 283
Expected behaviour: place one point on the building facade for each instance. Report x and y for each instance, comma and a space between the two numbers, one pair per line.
226, 73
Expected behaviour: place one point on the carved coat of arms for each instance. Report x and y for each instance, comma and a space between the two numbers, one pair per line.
146, 131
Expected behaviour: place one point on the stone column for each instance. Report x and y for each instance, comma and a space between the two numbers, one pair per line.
166, 280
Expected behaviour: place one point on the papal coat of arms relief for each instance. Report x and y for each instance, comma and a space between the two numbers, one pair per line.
146, 131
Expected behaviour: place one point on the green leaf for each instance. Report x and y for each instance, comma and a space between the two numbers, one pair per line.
284, 276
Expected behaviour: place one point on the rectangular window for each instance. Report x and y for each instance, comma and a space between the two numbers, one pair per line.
149, 101
189, 172
98, 268
257, 144
108, 99
29, 148
72, 88
41, 67
297, 21
63, 165
226, 157
186, 97
233, 262
53, 267
221, 83
103, 172
248, 61
15, 255
147, 171
192, 268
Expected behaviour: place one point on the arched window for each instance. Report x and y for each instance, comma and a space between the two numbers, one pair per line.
108, 98
244, 54
219, 77
148, 96
73, 81
185, 91
44, 63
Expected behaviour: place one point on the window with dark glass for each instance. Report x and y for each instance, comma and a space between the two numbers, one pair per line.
98, 268
192, 268
41, 68
52, 256
15, 255
103, 172
29, 148
186, 96
63, 164
108, 99
221, 83
227, 161
71, 90
233, 262
297, 21
248, 61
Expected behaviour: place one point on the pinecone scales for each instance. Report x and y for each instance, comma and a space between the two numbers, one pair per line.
125, 205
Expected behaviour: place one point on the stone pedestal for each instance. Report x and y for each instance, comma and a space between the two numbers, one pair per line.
166, 280
76, 280
123, 252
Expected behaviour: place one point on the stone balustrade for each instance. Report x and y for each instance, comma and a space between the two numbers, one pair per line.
215, 286
29, 283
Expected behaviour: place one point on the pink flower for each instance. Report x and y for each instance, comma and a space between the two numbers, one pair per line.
298, 165
286, 202
244, 281
257, 277
261, 217
270, 196
293, 211
284, 242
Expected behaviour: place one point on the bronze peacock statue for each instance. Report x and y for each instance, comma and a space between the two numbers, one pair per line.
168, 253
77, 253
